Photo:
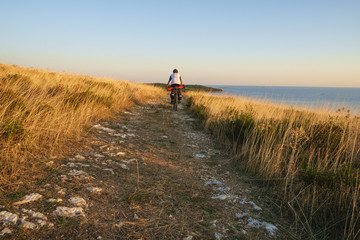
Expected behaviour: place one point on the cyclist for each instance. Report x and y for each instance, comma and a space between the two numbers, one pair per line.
176, 81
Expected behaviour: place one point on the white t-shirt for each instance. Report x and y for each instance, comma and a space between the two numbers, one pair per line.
175, 78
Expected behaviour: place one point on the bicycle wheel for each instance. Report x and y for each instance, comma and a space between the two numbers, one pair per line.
175, 101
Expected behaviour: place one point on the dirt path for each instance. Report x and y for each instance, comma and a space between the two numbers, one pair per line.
150, 174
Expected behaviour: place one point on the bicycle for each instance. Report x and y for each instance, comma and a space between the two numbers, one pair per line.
175, 91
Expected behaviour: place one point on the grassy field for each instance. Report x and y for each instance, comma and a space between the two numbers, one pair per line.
42, 111
311, 159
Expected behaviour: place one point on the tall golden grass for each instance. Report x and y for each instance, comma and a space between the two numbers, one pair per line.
40, 111
311, 157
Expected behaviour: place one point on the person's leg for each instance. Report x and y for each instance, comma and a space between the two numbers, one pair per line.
172, 96
180, 94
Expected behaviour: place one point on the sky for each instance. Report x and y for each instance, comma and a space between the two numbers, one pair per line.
212, 42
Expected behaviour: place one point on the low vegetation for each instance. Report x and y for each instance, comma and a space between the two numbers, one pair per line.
311, 158
42, 111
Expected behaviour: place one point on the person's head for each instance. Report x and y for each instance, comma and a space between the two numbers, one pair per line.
175, 71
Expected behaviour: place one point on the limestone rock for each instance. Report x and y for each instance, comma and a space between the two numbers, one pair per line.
70, 212
29, 198
8, 217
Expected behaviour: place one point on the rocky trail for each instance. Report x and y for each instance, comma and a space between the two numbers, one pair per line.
152, 173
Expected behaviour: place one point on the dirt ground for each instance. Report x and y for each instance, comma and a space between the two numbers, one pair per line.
157, 174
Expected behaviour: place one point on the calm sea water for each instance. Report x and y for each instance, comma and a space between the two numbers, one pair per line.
310, 97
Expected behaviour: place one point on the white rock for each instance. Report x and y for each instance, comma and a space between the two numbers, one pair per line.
198, 155
28, 225
80, 157
213, 182
188, 238
221, 197
124, 166
218, 236
74, 172
168, 137
256, 207
97, 155
8, 217
55, 200
105, 129
270, 228
241, 215
83, 165
62, 191
34, 214
131, 135
70, 212
120, 154
72, 165
5, 231
29, 198
77, 201
94, 189
64, 178
41, 222
221, 189
123, 136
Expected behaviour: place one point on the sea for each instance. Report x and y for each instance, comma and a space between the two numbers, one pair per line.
314, 98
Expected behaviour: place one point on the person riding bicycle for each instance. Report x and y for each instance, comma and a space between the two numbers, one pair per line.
176, 81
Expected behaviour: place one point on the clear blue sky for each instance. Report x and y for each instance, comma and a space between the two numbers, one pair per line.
264, 42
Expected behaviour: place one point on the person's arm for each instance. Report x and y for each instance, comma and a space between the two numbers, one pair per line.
169, 81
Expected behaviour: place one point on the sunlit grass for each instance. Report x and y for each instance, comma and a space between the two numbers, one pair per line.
40, 111
314, 156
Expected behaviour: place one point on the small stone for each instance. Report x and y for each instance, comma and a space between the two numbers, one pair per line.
74, 172
80, 157
5, 231
77, 201
28, 225
123, 166
94, 189
72, 165
221, 197
256, 207
120, 154
200, 155
8, 217
218, 236
34, 214
105, 129
41, 222
29, 198
213, 182
241, 215
62, 192
188, 238
54, 200
70, 212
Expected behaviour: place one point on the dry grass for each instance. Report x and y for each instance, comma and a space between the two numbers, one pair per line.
41, 111
313, 157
